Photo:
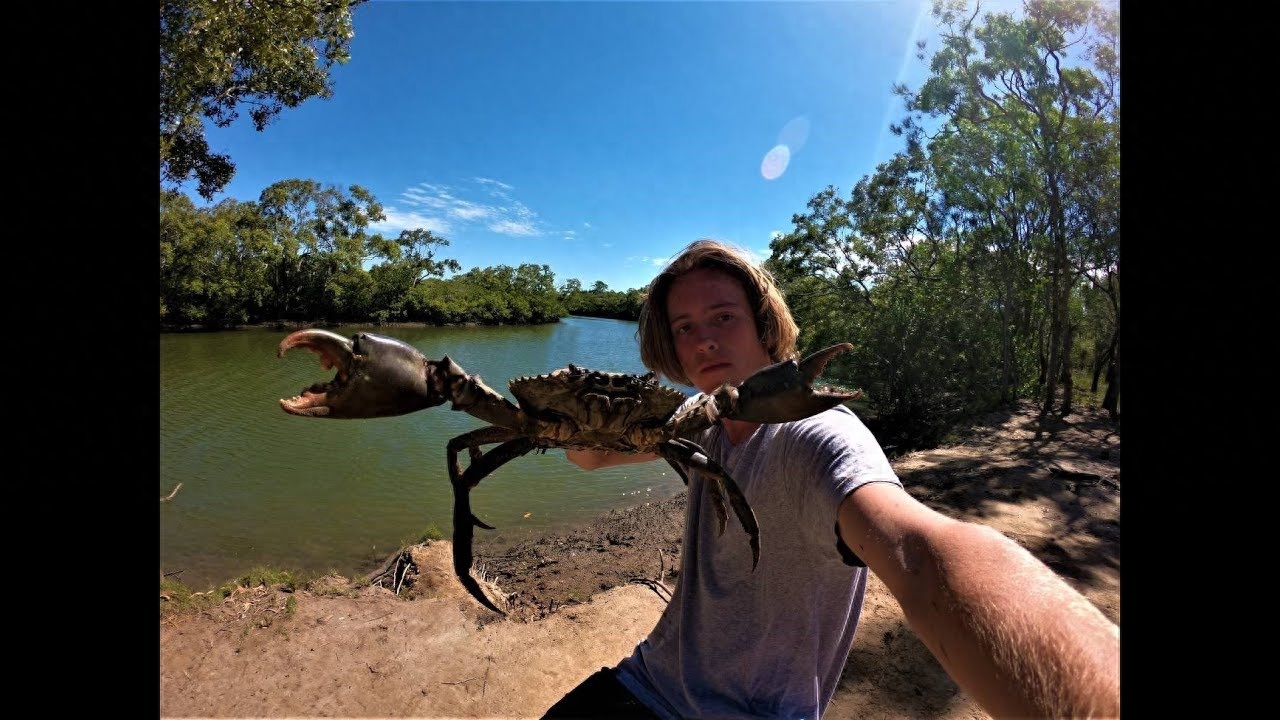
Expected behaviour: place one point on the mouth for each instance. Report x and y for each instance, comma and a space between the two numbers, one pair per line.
713, 367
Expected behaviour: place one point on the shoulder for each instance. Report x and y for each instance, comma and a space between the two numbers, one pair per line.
835, 444
839, 425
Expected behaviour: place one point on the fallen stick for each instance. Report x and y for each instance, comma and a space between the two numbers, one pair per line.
657, 588
175, 492
404, 570
387, 566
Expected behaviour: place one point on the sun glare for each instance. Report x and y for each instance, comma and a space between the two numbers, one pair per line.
775, 162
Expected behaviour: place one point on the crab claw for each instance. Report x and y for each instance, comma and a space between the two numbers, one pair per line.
377, 376
784, 391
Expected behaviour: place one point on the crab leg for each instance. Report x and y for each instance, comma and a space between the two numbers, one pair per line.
464, 521
684, 452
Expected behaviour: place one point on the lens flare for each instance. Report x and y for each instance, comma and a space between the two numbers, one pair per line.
775, 162
795, 133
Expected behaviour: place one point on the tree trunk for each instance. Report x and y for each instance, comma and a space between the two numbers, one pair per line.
1108, 357
1052, 366
1111, 401
1067, 384
1007, 392
1103, 361
1059, 291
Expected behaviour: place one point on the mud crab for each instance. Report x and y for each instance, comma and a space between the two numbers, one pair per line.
573, 407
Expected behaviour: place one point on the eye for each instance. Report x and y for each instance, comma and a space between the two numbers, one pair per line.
680, 329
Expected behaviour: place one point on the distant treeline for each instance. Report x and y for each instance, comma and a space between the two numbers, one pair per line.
302, 253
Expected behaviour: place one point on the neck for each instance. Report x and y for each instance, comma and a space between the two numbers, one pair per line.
738, 430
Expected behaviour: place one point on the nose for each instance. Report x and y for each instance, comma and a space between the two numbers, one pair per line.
706, 341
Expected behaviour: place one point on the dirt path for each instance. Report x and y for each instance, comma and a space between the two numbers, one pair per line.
583, 600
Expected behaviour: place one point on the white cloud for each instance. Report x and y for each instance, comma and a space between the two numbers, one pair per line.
443, 209
464, 210
397, 221
490, 181
433, 196
513, 227
495, 188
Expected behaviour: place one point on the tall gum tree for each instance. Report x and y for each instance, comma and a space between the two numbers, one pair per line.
1011, 77
323, 240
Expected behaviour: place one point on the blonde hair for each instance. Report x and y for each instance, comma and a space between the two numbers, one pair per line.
774, 325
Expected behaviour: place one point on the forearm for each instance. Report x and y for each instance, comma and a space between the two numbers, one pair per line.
1007, 629
595, 459
1010, 632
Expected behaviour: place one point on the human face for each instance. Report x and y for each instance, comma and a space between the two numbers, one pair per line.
714, 329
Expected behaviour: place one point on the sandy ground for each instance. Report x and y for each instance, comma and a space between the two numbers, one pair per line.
415, 645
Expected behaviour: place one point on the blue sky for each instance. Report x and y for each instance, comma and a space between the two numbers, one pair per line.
598, 138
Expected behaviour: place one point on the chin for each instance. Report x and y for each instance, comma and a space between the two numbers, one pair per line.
709, 384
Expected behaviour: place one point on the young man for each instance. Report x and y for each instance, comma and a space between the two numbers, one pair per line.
773, 642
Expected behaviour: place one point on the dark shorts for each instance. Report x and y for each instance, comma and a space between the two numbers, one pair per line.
600, 696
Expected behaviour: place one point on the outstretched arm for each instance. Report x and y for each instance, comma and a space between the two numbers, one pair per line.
1011, 633
593, 459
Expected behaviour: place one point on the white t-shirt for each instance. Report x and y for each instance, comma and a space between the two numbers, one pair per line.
772, 643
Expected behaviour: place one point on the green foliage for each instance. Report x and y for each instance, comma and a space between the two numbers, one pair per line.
486, 296
432, 532
988, 251
1029, 146
268, 577
217, 56
600, 301
303, 252
323, 240
176, 597
300, 253
931, 360
410, 261
212, 264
